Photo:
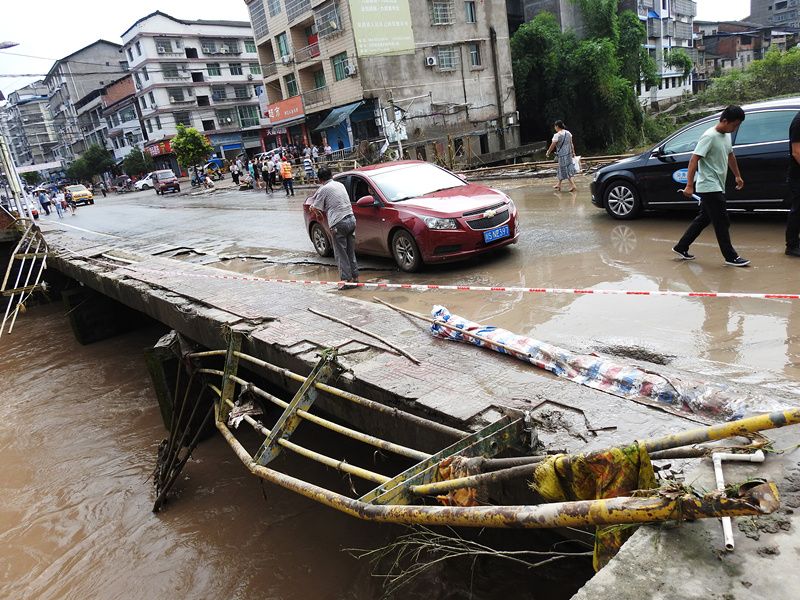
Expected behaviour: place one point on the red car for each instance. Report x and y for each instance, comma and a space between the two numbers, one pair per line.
418, 213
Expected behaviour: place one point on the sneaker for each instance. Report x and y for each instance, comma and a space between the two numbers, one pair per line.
683, 253
738, 262
792, 251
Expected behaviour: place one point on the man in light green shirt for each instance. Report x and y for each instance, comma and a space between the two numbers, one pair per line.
712, 158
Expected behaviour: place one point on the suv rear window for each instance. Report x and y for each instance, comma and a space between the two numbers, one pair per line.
764, 127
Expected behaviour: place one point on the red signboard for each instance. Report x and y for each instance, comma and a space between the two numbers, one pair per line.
160, 148
285, 110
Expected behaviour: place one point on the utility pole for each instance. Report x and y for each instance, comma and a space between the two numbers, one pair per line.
13, 179
497, 93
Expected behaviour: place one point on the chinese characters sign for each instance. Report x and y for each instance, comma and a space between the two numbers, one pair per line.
285, 110
382, 27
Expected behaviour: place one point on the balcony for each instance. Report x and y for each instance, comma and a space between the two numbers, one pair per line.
317, 96
177, 101
684, 7
654, 28
226, 98
270, 69
683, 30
310, 52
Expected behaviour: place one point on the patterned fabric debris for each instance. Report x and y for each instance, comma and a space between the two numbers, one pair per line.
627, 381
604, 474
455, 467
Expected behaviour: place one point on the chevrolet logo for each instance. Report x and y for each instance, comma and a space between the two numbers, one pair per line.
489, 214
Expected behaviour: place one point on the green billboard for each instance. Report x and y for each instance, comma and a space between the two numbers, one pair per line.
382, 27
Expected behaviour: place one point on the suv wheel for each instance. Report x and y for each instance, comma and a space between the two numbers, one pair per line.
622, 200
320, 240
406, 252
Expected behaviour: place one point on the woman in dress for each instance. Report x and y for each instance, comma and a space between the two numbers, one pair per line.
565, 151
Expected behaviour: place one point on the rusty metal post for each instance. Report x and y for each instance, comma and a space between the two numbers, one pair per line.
231, 368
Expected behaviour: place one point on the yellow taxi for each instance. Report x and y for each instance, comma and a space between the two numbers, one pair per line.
80, 195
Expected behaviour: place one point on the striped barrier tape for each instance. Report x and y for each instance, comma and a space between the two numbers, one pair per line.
470, 288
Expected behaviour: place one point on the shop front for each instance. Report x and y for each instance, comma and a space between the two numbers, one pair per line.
163, 156
288, 122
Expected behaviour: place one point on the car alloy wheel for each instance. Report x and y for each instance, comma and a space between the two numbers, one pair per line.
405, 252
145, 187
622, 201
320, 240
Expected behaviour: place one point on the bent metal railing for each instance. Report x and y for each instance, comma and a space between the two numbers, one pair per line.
395, 498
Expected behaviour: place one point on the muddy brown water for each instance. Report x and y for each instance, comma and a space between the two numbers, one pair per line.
80, 429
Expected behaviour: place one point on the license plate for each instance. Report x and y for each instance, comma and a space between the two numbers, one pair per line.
498, 233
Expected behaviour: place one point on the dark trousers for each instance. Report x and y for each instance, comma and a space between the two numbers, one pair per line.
793, 222
712, 211
288, 185
46, 207
267, 177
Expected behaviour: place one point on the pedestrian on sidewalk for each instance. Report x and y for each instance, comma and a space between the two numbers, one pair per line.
565, 153
44, 201
57, 203
287, 176
712, 158
793, 222
332, 199
265, 175
235, 173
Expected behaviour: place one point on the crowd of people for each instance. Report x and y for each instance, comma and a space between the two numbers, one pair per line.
276, 168
59, 198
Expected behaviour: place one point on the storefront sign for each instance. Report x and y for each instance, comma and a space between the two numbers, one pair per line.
160, 148
285, 110
276, 131
225, 138
382, 27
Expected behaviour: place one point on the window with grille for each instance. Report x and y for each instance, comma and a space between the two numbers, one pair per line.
291, 86
295, 8
255, 69
241, 92
327, 20
250, 45
164, 46
214, 70
448, 58
236, 68
169, 71
175, 94
218, 93
226, 117
283, 44
339, 62
319, 79
470, 16
274, 7
441, 12
182, 118
248, 116
258, 17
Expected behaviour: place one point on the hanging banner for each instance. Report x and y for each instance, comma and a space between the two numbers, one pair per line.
382, 27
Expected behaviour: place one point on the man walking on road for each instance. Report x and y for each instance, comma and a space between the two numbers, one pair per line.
331, 198
710, 162
793, 223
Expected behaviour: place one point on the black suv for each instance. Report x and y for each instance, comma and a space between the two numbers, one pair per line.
651, 180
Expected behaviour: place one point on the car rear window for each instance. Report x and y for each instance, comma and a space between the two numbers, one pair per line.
764, 127
164, 174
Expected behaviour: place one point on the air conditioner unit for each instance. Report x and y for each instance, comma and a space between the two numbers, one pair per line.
172, 99
249, 77
350, 70
430, 61
286, 59
224, 50
161, 50
206, 49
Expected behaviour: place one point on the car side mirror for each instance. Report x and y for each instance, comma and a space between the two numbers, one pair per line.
368, 201
658, 151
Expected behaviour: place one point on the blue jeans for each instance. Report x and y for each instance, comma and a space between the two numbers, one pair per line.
344, 248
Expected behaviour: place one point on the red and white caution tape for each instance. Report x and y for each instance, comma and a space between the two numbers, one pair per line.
468, 288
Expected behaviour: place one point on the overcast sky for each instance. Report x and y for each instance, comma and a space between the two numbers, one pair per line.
54, 28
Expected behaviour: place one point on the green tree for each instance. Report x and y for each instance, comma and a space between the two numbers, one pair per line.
678, 58
98, 160
777, 74
32, 177
138, 162
191, 146
79, 170
636, 64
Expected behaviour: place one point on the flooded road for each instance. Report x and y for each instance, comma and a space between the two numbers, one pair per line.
78, 443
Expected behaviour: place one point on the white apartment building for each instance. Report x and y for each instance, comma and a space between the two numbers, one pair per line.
121, 114
203, 74
670, 25
332, 70
30, 128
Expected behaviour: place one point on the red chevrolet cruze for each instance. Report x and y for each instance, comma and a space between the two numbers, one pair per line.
418, 213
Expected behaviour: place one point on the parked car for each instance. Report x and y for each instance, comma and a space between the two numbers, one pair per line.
418, 213
652, 179
165, 180
145, 183
81, 195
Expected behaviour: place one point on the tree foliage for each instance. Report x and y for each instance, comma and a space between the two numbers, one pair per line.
98, 160
32, 177
678, 58
138, 162
587, 83
191, 147
777, 74
79, 170
635, 62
